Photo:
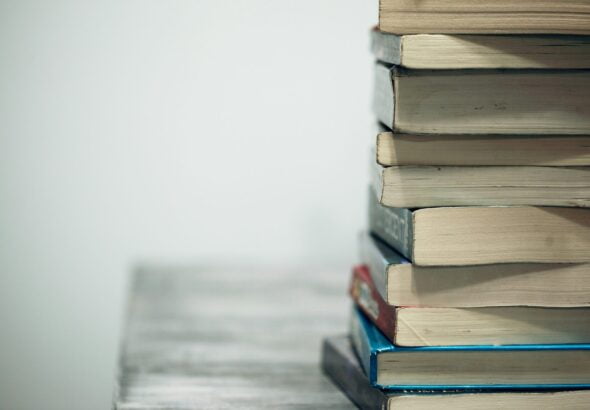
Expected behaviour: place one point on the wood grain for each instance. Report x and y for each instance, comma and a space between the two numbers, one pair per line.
202, 338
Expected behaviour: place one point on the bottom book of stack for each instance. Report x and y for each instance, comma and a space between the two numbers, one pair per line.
375, 374
340, 363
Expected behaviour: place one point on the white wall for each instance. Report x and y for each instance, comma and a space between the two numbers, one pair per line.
165, 131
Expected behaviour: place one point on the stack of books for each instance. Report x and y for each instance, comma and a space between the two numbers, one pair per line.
474, 284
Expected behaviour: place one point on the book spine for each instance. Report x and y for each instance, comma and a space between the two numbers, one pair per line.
339, 364
379, 257
384, 96
368, 299
376, 263
362, 346
386, 47
393, 225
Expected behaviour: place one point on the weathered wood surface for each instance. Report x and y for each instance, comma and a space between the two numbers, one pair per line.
233, 338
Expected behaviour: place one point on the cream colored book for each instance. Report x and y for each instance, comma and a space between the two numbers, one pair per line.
443, 51
544, 102
402, 283
447, 326
481, 235
434, 186
393, 149
490, 326
488, 17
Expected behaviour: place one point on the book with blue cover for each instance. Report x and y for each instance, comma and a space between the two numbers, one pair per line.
507, 367
340, 364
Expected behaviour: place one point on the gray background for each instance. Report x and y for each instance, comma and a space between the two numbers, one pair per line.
169, 131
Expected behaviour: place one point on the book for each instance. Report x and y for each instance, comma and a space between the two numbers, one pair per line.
422, 186
545, 102
442, 51
401, 283
340, 364
476, 16
393, 149
445, 326
484, 234
390, 367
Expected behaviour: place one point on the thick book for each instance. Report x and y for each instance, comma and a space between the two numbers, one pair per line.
423, 186
446, 326
512, 367
483, 235
485, 17
545, 102
394, 149
341, 365
442, 51
402, 283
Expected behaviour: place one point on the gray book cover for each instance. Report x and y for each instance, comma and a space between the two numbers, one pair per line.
341, 365
393, 225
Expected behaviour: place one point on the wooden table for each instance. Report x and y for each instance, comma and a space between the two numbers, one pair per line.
202, 338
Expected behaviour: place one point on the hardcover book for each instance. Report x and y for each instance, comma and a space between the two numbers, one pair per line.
444, 326
483, 235
476, 16
341, 365
544, 102
441, 51
401, 283
515, 367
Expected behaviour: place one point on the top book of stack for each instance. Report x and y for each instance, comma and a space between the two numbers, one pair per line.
485, 17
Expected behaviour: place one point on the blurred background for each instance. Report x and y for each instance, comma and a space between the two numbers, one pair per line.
173, 132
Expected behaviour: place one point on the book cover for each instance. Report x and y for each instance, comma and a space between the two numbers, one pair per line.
394, 225
340, 364
378, 258
368, 299
369, 343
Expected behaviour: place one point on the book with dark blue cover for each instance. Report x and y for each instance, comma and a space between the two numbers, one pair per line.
341, 365
506, 367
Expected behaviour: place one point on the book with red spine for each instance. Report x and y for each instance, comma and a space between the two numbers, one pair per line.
441, 326
367, 298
